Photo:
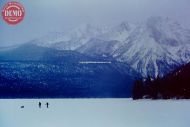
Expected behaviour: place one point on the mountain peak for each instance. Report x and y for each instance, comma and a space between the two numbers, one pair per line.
152, 48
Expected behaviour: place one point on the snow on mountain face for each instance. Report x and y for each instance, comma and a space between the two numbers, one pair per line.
106, 44
152, 48
49, 39
100, 47
72, 39
78, 37
167, 32
156, 47
119, 32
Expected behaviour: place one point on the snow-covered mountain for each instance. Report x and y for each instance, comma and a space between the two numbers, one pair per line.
153, 47
156, 47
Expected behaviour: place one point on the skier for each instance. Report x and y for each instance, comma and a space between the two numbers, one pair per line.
47, 104
40, 104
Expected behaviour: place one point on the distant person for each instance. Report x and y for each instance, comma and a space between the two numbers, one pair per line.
40, 104
47, 104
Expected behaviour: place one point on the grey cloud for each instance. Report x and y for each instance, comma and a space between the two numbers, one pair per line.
44, 16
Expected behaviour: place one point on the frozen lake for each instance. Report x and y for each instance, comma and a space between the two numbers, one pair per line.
95, 113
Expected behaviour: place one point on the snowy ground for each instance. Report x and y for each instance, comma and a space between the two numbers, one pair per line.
95, 113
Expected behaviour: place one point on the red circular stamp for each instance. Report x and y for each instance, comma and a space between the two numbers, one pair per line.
13, 13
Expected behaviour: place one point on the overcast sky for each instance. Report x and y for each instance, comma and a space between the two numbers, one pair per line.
44, 16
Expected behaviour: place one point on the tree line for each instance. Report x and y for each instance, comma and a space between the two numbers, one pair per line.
175, 85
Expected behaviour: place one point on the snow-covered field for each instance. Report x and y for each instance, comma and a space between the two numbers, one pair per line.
95, 113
